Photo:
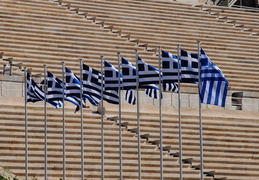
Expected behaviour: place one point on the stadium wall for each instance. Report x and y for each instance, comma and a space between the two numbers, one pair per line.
13, 87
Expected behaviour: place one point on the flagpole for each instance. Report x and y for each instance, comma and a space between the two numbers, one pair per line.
160, 115
45, 123
120, 134
26, 123
138, 118
102, 122
200, 113
179, 115
63, 120
81, 120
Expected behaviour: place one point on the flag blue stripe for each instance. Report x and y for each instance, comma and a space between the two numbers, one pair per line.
211, 87
219, 85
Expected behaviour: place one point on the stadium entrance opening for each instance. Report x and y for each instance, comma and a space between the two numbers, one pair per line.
247, 3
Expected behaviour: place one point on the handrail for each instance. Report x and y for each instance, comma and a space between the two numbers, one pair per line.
213, 1
219, 2
231, 3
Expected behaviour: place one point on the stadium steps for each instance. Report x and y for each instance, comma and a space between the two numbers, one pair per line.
29, 42
227, 147
35, 9
109, 16
114, 18
240, 16
148, 141
58, 31
13, 153
146, 29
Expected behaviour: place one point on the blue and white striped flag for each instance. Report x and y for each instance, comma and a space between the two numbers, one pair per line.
171, 87
92, 82
147, 73
111, 77
72, 84
129, 80
170, 72
130, 97
189, 67
170, 67
153, 92
35, 93
214, 84
128, 74
55, 91
31, 95
111, 96
73, 88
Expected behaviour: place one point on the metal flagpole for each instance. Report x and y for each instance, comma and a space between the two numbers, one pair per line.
160, 115
102, 120
63, 120
45, 123
138, 119
200, 113
26, 123
179, 115
120, 134
81, 120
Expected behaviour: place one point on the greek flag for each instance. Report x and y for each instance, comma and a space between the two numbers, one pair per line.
129, 80
31, 94
214, 84
35, 93
73, 87
189, 67
111, 77
170, 72
130, 97
72, 84
170, 67
92, 82
111, 96
55, 91
129, 74
153, 92
147, 73
171, 87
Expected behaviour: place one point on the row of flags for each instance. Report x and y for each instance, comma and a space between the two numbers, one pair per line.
96, 86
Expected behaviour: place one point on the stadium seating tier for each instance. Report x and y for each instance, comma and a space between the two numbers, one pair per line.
37, 32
